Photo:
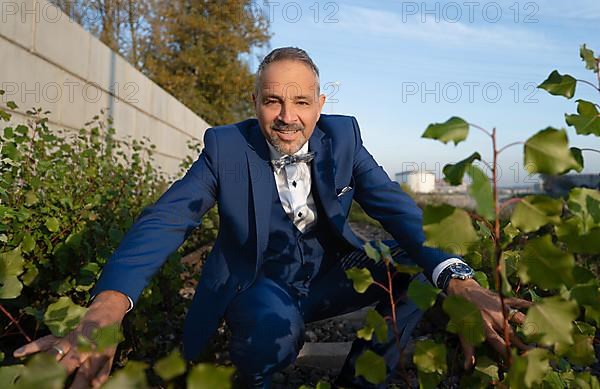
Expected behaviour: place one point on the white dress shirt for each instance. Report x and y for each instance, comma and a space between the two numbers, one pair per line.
294, 187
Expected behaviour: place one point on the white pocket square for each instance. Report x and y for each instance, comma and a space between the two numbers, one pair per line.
344, 190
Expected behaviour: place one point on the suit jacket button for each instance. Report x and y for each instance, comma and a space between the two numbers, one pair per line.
239, 287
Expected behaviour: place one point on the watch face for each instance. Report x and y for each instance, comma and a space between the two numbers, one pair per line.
460, 269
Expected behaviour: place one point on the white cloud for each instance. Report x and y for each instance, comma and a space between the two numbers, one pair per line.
390, 24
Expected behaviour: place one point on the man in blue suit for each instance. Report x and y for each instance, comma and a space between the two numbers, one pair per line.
284, 183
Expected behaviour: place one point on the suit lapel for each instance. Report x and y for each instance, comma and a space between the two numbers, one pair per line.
323, 178
261, 181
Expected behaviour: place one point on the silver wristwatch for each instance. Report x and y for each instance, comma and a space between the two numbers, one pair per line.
456, 270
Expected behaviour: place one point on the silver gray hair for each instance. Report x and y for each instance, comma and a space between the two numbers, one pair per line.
290, 54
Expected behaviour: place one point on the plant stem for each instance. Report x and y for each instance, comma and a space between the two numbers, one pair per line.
15, 322
498, 251
481, 129
594, 150
509, 202
509, 145
588, 83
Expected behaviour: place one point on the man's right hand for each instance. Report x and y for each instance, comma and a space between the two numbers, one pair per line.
108, 308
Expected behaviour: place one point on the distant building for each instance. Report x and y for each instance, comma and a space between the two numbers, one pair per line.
419, 181
561, 185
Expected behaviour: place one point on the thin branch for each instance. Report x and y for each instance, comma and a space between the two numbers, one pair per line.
588, 83
509, 145
481, 129
509, 202
594, 150
12, 319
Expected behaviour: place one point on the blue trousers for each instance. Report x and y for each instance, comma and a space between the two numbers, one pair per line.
267, 320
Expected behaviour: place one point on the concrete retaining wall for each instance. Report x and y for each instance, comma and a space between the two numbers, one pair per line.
49, 61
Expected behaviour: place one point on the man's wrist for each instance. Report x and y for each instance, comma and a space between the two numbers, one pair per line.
456, 285
117, 301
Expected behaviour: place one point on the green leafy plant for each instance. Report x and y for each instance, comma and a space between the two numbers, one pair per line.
544, 250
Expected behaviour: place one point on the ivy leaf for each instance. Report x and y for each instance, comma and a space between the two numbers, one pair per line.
11, 265
550, 322
585, 203
572, 232
545, 265
371, 366
559, 85
372, 252
28, 244
454, 173
131, 376
430, 357
587, 121
529, 369
582, 351
481, 190
207, 376
52, 224
8, 375
455, 130
481, 279
487, 369
11, 105
588, 57
374, 323
170, 366
63, 316
42, 371
422, 294
408, 269
448, 228
465, 319
548, 152
533, 212
361, 278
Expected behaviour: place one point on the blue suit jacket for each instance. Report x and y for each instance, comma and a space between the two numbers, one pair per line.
234, 170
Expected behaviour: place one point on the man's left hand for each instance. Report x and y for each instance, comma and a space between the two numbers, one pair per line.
489, 304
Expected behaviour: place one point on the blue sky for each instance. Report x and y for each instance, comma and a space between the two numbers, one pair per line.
398, 66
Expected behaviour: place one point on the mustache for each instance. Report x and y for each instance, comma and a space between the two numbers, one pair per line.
286, 127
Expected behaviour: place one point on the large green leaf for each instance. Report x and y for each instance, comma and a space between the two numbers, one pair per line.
371, 366
587, 120
454, 173
529, 369
454, 130
481, 190
372, 252
207, 376
533, 212
11, 265
170, 366
361, 278
579, 240
430, 357
550, 322
448, 228
63, 316
132, 376
548, 152
545, 265
8, 375
589, 58
559, 85
422, 294
581, 352
42, 371
52, 224
374, 323
585, 203
465, 319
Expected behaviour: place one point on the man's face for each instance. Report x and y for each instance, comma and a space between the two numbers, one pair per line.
287, 106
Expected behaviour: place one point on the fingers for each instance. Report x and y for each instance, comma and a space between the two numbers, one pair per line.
517, 317
88, 372
103, 374
517, 302
41, 344
494, 339
469, 352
